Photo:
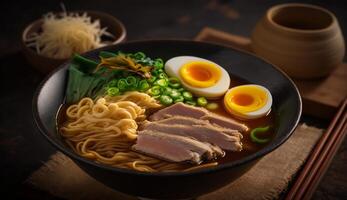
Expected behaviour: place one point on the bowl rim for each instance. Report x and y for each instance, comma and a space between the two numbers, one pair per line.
247, 159
118, 23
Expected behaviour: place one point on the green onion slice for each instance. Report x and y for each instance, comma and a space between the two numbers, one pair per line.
201, 101
131, 81
174, 82
181, 90
191, 102
162, 76
112, 83
161, 82
187, 95
139, 55
156, 72
112, 91
154, 91
179, 99
165, 100
255, 138
174, 94
152, 79
158, 63
212, 106
143, 85
166, 90
122, 84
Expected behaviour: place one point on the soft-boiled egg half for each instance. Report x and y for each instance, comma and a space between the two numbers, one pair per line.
248, 101
200, 76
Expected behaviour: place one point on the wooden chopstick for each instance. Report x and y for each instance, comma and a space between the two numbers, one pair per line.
321, 157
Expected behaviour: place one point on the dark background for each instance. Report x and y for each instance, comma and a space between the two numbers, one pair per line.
23, 149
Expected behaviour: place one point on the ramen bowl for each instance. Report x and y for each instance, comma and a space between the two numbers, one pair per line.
176, 185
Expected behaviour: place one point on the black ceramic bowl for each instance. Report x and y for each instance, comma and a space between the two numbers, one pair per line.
286, 105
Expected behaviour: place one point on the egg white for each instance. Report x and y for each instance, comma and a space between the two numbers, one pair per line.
172, 68
263, 111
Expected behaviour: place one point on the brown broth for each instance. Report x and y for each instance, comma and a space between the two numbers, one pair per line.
249, 147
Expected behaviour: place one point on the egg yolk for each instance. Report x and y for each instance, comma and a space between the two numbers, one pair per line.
200, 74
244, 99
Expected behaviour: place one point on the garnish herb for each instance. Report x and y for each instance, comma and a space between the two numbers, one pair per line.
256, 139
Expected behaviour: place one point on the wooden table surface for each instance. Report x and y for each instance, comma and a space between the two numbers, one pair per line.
23, 149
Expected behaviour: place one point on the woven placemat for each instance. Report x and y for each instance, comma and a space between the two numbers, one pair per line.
61, 177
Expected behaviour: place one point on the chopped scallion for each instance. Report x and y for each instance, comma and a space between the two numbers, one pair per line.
161, 82
212, 106
154, 91
191, 102
112, 91
201, 101
179, 99
187, 95
165, 100
122, 84
255, 138
131, 82
158, 63
167, 90
174, 82
174, 94
112, 83
143, 85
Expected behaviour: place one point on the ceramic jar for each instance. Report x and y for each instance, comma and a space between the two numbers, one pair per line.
304, 40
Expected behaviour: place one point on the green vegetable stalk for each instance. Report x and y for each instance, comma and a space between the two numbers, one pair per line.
82, 82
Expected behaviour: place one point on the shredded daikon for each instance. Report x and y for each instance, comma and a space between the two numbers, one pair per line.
66, 34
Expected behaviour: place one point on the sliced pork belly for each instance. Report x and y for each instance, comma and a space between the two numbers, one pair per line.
174, 148
183, 120
225, 122
192, 121
180, 109
204, 133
